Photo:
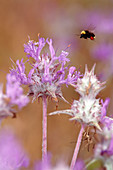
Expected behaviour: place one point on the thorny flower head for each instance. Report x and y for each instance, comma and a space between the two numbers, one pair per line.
89, 85
48, 71
14, 96
87, 109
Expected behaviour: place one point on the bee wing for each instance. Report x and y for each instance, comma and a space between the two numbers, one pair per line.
91, 27
77, 34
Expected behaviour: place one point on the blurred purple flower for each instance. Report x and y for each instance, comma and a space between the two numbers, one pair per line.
102, 51
104, 107
95, 19
106, 121
43, 165
12, 155
48, 71
14, 96
109, 150
79, 165
59, 166
5, 109
104, 149
15, 93
106, 24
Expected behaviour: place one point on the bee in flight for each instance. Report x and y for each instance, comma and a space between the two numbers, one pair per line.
87, 34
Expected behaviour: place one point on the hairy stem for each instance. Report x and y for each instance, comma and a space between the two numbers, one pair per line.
44, 129
77, 147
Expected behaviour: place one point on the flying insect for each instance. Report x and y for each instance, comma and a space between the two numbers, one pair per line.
87, 34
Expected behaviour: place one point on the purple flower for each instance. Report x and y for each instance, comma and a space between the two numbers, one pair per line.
106, 121
12, 155
104, 107
73, 75
14, 96
20, 74
33, 49
15, 93
48, 71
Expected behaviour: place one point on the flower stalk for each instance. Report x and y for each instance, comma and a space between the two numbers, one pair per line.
77, 147
44, 129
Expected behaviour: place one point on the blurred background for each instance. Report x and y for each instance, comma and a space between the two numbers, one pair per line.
62, 21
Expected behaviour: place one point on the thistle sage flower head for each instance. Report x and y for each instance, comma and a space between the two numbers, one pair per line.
48, 71
87, 109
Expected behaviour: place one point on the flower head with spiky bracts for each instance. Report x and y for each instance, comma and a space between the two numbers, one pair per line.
87, 109
14, 96
89, 85
48, 72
